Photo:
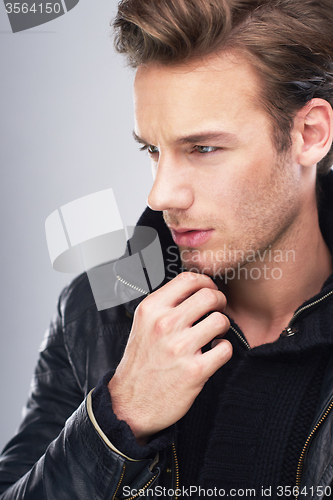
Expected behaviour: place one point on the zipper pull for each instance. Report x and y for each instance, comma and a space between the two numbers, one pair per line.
289, 332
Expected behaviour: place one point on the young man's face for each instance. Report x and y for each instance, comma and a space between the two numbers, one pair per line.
222, 186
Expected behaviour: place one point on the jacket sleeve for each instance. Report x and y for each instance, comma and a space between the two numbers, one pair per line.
57, 451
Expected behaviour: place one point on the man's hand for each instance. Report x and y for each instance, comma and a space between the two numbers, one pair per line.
163, 368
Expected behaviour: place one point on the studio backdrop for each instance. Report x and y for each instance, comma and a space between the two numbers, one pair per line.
66, 132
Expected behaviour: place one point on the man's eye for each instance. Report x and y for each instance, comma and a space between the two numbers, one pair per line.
205, 149
152, 149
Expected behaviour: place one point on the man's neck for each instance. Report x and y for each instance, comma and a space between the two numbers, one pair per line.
264, 306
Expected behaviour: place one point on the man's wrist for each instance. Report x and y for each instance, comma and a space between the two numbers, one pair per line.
119, 432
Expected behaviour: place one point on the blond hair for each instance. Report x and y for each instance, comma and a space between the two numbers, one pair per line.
288, 42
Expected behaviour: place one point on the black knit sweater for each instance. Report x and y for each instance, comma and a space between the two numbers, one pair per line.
247, 428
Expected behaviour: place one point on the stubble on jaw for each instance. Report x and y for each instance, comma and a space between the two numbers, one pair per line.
267, 221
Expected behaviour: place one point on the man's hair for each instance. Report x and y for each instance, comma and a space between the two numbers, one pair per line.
288, 42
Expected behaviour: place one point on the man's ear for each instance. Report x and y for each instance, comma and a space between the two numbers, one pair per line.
312, 132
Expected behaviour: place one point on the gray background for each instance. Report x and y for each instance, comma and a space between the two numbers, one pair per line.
66, 131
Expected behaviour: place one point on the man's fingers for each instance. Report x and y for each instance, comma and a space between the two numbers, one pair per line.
180, 288
200, 303
206, 330
216, 357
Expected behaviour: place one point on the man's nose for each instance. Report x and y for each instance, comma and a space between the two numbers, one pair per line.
171, 190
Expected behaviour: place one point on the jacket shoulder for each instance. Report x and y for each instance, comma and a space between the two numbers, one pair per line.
94, 340
77, 300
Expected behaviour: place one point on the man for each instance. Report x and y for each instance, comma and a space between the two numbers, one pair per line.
222, 389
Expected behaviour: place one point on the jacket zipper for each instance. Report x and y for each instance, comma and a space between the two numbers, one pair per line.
241, 338
301, 460
119, 482
175, 459
141, 290
288, 331
139, 493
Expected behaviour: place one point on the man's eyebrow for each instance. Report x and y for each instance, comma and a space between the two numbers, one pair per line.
197, 138
138, 139
206, 136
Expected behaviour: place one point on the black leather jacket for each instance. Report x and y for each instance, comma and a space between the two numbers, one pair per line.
59, 452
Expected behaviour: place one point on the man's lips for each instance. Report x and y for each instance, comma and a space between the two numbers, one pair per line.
190, 237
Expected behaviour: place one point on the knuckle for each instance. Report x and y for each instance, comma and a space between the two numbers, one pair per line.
209, 296
193, 276
227, 322
228, 349
143, 308
195, 372
188, 276
176, 349
219, 320
223, 300
163, 325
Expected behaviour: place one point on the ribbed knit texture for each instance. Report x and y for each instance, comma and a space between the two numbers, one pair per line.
249, 424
